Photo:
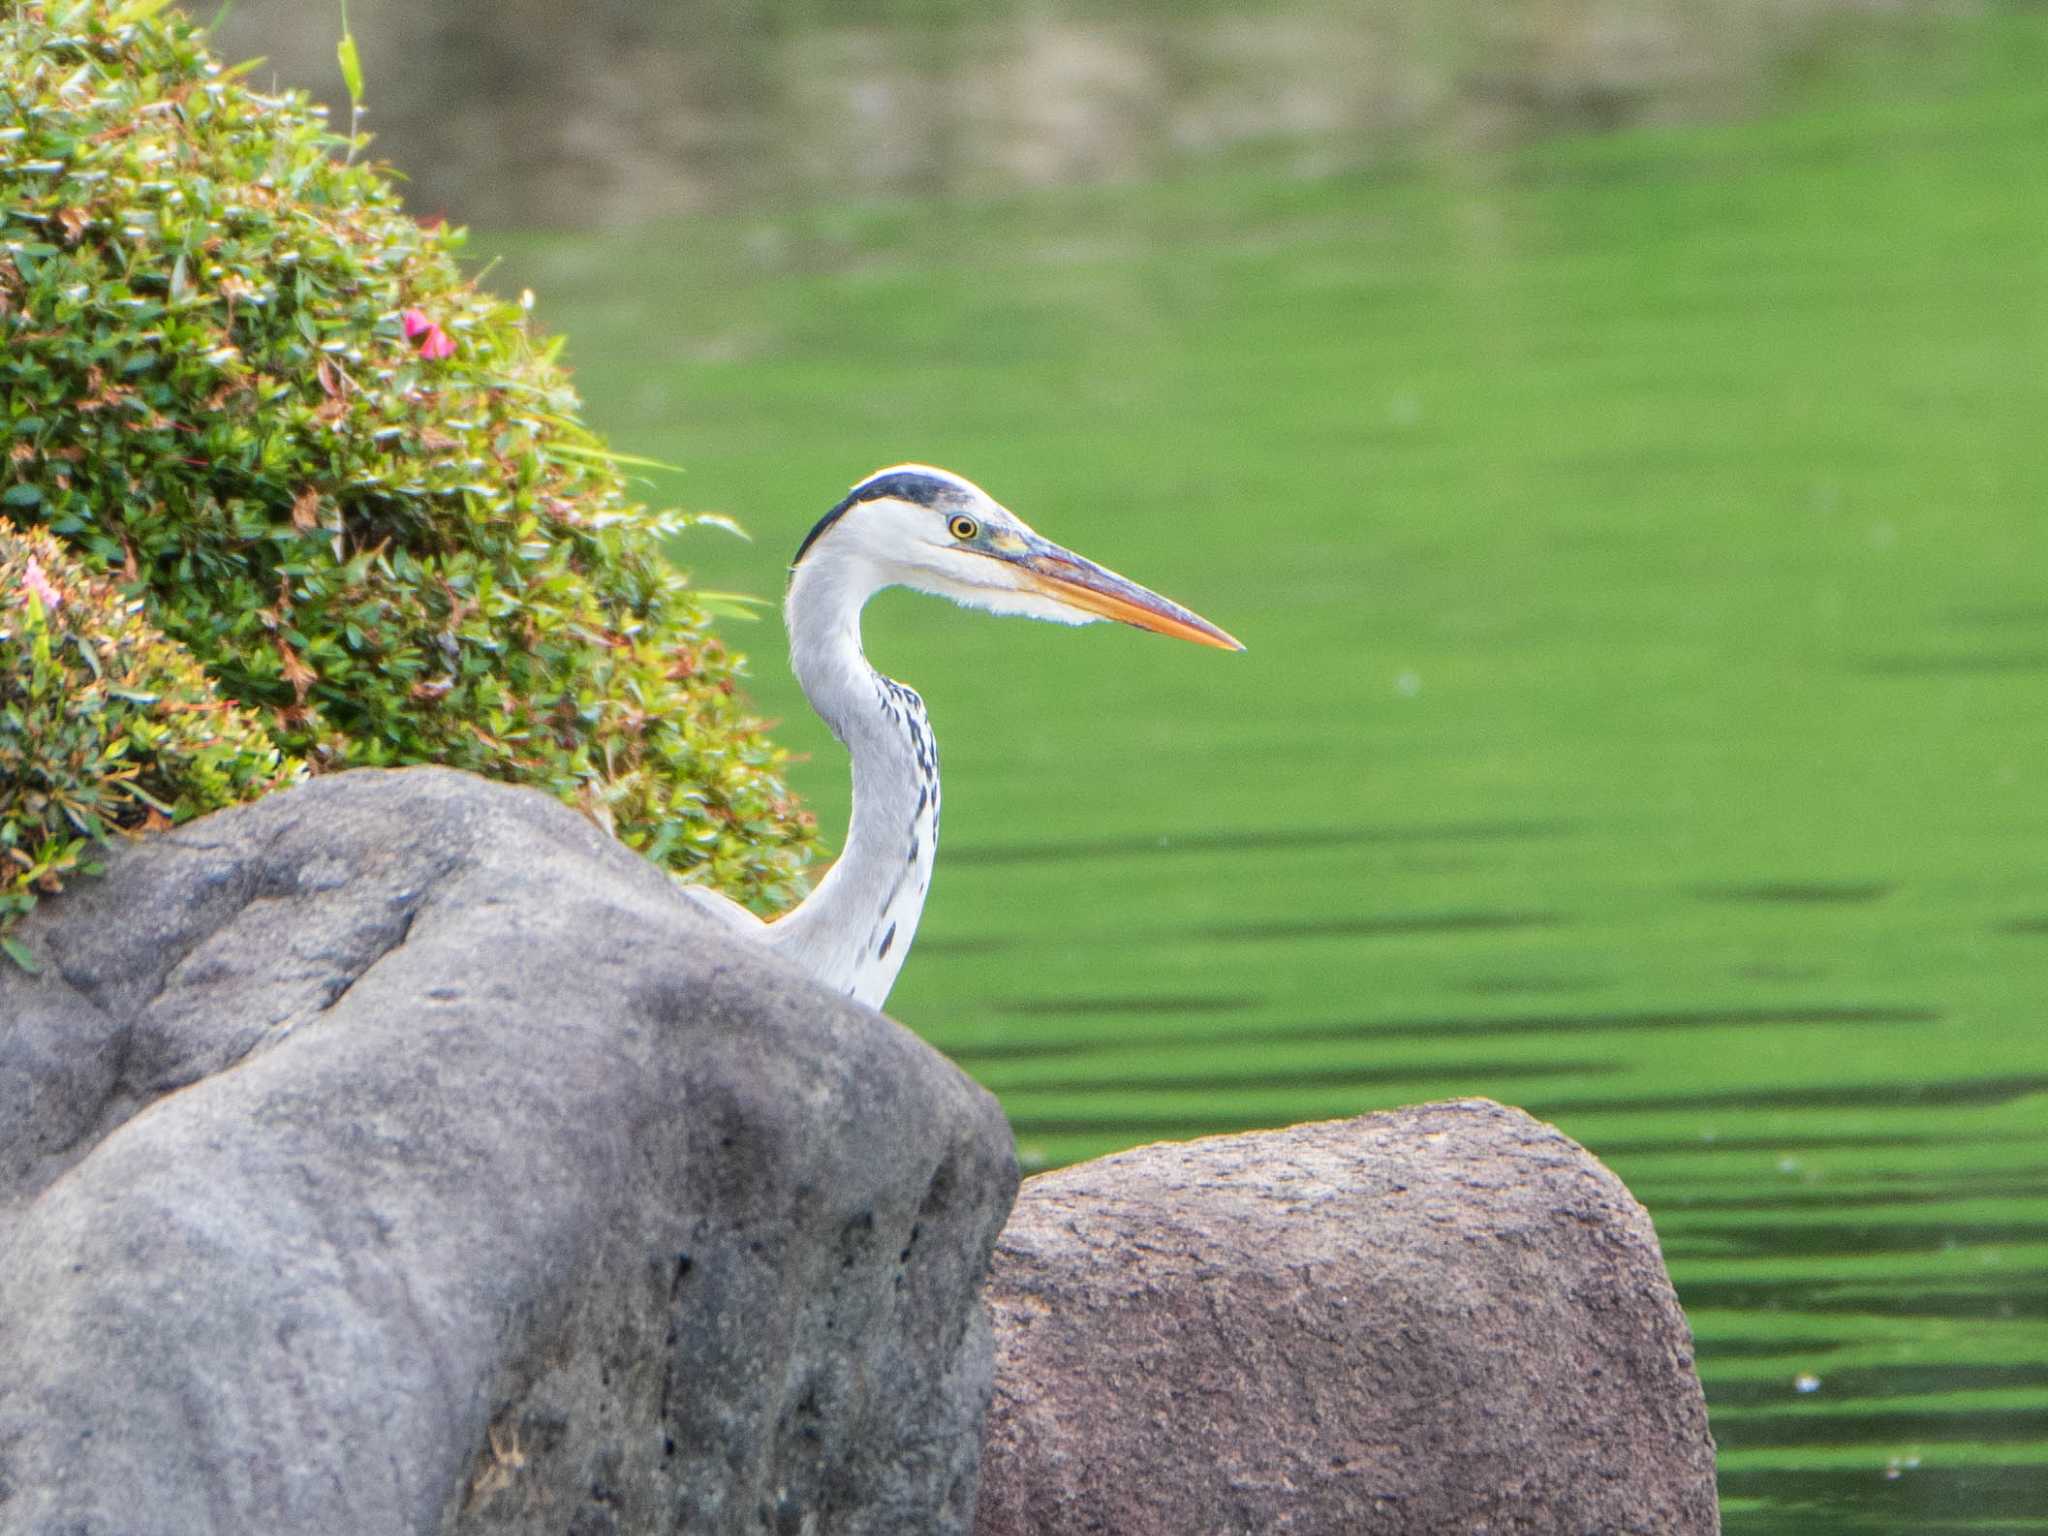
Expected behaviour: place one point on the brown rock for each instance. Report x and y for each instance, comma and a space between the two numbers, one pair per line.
1447, 1318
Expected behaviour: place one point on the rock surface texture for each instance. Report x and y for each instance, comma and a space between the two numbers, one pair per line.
400, 1154
1448, 1318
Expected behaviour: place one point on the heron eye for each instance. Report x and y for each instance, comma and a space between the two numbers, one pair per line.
963, 527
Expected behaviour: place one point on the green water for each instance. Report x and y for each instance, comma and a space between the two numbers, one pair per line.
1640, 542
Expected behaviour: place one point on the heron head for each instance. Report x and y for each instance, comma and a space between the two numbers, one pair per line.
931, 530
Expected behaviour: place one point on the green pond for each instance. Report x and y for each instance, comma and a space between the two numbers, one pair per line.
1642, 546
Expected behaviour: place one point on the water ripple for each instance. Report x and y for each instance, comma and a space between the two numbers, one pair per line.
1306, 1078
1313, 1032
1267, 840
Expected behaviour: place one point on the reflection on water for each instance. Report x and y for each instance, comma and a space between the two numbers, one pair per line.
1247, 840
1300, 1079
1377, 926
1434, 1028
1797, 892
2025, 1302
1173, 1005
1906, 1494
1897, 1381
522, 112
1977, 661
1567, 498
1993, 1090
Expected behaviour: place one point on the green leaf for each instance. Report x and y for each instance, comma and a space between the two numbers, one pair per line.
718, 520
521, 622
606, 456
731, 605
351, 67
18, 952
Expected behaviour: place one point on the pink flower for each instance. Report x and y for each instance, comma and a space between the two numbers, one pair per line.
433, 342
38, 586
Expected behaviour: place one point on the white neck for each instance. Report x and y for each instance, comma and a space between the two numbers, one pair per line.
854, 930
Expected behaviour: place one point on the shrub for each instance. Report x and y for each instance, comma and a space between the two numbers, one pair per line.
105, 725
354, 487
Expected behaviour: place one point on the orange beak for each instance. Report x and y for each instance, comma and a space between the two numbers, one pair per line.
1067, 578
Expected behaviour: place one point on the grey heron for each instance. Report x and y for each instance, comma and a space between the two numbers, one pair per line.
930, 530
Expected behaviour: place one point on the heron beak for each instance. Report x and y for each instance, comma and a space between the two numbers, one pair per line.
1065, 577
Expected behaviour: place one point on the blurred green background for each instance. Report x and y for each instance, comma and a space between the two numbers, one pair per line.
1617, 432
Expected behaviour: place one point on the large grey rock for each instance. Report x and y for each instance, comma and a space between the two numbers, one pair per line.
1449, 1318
401, 1155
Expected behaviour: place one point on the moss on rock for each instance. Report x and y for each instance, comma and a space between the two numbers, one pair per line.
239, 379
